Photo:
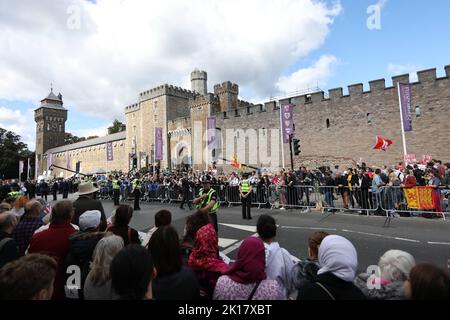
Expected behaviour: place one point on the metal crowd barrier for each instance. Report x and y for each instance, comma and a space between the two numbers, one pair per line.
350, 199
383, 201
393, 200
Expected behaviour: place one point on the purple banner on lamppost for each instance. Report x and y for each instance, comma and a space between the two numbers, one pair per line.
109, 151
287, 122
405, 103
211, 127
158, 144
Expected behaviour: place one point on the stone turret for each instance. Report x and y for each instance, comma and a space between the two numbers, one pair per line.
199, 81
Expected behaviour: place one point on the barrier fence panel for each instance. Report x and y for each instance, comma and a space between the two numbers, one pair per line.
232, 195
393, 200
350, 199
174, 194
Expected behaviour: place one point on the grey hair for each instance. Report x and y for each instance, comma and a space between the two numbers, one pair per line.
104, 253
395, 265
7, 219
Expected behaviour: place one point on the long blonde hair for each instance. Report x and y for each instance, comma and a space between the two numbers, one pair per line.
104, 253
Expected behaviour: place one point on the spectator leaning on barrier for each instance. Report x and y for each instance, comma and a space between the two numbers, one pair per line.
394, 268
98, 281
132, 272
306, 270
28, 278
174, 281
279, 262
428, 282
338, 264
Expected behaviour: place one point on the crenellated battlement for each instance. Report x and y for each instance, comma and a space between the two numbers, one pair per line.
165, 90
132, 108
226, 87
200, 100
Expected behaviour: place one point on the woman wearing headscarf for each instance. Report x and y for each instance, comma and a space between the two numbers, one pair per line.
205, 261
246, 280
338, 260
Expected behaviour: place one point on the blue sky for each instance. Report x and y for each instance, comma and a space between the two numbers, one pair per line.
120, 50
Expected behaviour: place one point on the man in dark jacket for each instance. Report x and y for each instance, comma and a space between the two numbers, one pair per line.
86, 201
185, 189
65, 189
55, 190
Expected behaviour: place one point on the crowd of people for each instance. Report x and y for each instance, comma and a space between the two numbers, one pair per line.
74, 252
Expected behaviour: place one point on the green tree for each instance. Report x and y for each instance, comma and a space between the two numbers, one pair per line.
70, 138
116, 127
12, 150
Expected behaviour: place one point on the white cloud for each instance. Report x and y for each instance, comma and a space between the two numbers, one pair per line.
397, 69
100, 132
316, 75
19, 123
125, 47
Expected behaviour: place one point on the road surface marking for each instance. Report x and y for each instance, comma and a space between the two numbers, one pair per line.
240, 227
440, 243
223, 242
309, 228
381, 236
235, 246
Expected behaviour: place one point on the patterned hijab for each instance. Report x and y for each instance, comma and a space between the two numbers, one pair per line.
204, 253
251, 262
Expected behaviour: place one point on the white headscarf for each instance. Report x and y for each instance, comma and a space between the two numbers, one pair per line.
338, 256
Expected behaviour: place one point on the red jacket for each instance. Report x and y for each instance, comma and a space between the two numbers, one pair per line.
410, 181
54, 242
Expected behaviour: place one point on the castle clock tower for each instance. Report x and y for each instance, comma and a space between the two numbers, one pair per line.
50, 120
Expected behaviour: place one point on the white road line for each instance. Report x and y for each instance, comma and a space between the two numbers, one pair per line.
381, 236
235, 246
309, 228
440, 243
408, 240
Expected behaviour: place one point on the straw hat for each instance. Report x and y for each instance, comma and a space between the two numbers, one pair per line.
86, 188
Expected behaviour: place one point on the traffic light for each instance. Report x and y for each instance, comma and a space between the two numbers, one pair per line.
77, 169
134, 162
296, 146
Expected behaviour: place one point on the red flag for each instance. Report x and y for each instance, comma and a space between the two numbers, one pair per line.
382, 144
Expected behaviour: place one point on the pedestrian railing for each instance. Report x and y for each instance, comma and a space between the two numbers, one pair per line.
386, 201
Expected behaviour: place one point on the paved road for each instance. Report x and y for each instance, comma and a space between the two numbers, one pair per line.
426, 240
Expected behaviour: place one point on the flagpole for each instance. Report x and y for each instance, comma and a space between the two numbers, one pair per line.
282, 138
401, 120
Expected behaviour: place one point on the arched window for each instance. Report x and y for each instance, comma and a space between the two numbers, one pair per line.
60, 128
369, 118
328, 123
48, 126
418, 112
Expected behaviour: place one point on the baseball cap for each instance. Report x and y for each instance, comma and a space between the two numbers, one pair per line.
90, 220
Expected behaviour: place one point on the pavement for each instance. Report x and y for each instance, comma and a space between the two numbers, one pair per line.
427, 240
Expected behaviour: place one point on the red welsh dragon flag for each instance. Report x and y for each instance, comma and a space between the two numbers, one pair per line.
382, 144
420, 198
